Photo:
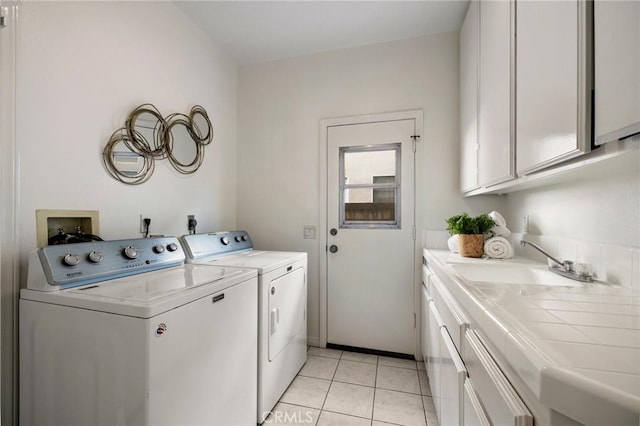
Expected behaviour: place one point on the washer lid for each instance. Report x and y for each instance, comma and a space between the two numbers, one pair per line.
263, 261
148, 294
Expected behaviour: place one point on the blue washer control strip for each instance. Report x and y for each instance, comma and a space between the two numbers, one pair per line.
201, 246
72, 265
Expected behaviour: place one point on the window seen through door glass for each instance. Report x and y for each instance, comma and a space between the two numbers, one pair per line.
370, 187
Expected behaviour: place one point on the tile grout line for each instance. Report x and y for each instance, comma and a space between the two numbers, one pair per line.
330, 386
375, 391
375, 387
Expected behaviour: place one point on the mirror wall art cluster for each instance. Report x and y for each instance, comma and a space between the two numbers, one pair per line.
132, 151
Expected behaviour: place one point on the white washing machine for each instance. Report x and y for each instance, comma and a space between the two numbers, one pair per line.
282, 305
124, 333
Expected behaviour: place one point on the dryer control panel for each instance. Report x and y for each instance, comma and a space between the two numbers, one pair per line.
214, 244
72, 265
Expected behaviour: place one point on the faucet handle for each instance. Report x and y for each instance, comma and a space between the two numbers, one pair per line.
584, 269
567, 265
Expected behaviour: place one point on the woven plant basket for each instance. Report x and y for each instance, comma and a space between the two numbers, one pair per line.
471, 245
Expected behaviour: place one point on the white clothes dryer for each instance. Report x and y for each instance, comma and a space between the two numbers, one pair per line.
282, 305
124, 333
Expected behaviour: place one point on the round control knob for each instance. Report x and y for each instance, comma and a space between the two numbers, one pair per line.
95, 257
224, 241
172, 247
130, 252
243, 238
71, 259
158, 249
238, 238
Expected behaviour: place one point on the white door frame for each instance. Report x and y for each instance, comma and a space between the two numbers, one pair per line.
9, 246
322, 240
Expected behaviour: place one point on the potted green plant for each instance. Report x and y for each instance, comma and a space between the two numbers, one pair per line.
470, 232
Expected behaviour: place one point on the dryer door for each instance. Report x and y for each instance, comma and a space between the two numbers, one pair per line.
286, 310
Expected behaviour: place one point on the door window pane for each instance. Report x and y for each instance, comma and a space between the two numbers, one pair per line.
369, 194
360, 167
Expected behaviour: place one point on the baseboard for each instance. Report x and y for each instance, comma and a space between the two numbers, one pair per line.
313, 341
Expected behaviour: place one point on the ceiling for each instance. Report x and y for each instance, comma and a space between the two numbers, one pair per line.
261, 31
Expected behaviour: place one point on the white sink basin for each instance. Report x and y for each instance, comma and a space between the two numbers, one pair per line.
523, 274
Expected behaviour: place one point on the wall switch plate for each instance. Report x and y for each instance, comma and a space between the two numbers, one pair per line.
309, 232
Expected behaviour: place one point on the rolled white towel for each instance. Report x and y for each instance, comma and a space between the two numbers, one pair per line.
498, 248
453, 243
498, 219
500, 231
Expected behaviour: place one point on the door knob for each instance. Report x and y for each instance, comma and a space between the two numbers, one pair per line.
333, 248
333, 231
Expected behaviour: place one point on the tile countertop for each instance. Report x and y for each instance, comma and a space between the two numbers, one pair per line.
577, 348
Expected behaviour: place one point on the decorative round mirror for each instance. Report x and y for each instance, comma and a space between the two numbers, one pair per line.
201, 129
146, 129
184, 153
130, 154
123, 163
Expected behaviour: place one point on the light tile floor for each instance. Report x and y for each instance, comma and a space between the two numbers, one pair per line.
347, 388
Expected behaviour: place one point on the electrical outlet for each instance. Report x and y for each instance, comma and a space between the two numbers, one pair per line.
191, 223
143, 228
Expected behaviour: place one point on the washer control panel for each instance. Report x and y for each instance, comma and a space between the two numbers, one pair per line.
200, 246
71, 265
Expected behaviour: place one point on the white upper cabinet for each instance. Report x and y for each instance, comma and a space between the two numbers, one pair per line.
617, 69
553, 80
495, 135
469, 99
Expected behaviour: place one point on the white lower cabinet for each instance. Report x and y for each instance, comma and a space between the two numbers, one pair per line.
501, 403
470, 389
433, 357
472, 410
452, 377
424, 322
445, 368
453, 318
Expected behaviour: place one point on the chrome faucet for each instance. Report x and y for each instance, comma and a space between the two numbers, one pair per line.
564, 268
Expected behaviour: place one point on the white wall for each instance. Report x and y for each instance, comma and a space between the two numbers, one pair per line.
82, 67
590, 215
600, 203
280, 105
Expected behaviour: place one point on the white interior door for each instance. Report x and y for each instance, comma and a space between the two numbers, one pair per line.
371, 235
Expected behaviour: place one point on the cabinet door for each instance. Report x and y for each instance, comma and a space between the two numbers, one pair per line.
495, 135
473, 412
502, 404
452, 316
469, 99
433, 356
452, 376
617, 69
424, 322
553, 83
